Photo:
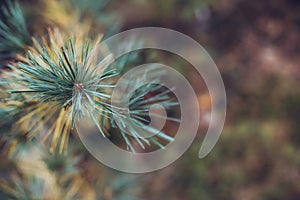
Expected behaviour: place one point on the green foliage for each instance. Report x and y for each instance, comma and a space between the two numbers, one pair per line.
14, 36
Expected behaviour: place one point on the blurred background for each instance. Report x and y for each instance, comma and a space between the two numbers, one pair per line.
256, 46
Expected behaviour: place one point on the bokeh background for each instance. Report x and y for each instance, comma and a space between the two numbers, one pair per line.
256, 46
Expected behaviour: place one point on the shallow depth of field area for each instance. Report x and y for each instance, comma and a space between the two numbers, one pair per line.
256, 47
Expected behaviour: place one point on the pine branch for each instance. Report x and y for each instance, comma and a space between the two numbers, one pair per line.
66, 81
